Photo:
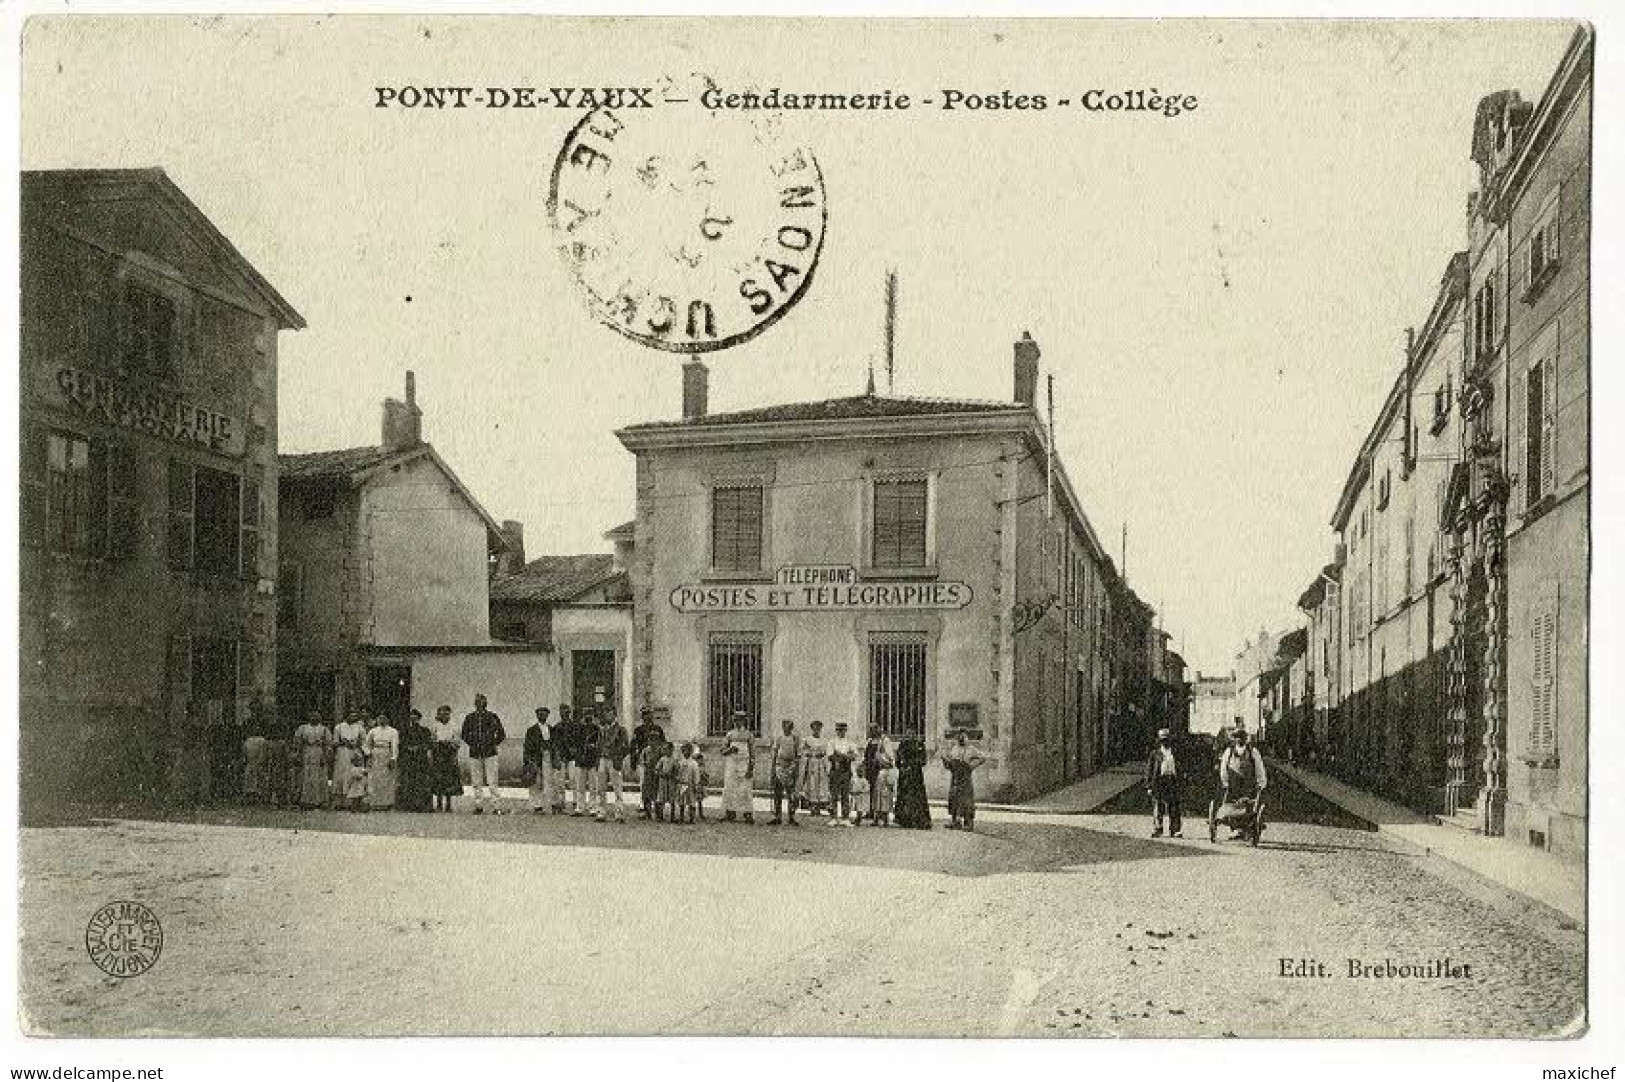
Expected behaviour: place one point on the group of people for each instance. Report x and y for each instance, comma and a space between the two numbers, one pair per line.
1242, 777
581, 763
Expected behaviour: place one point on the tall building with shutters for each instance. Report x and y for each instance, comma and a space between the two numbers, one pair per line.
877, 560
148, 479
1521, 498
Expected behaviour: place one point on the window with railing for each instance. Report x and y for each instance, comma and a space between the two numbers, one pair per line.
733, 683
897, 682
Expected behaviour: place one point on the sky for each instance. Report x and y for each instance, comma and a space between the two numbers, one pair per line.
1222, 297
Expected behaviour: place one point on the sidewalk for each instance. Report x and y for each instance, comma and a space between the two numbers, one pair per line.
1556, 883
1083, 795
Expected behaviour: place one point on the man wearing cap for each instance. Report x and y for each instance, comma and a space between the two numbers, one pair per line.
648, 732
842, 753
1162, 783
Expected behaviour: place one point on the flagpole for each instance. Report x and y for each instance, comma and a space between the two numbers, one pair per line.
891, 330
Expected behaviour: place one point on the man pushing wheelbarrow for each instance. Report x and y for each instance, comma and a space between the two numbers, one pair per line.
1241, 790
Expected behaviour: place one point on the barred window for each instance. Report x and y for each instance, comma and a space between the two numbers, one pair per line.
736, 528
897, 673
899, 523
733, 682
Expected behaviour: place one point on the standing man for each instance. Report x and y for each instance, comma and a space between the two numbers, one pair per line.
483, 735
647, 732
842, 754
567, 747
786, 767
613, 747
1162, 783
587, 758
539, 763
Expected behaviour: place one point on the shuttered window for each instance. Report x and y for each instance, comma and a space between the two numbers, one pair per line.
733, 682
1543, 679
736, 528
79, 496
899, 522
1540, 430
180, 514
897, 676
149, 333
250, 514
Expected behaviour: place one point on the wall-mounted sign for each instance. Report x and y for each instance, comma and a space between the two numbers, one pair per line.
837, 597
153, 413
817, 575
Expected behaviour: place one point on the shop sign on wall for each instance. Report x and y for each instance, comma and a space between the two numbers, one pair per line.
820, 588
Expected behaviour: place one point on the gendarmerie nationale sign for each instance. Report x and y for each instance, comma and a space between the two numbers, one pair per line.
820, 588
154, 413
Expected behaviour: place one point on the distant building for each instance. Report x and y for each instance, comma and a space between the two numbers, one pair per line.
1212, 703
148, 480
881, 560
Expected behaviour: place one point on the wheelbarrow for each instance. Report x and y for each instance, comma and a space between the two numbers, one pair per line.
1245, 814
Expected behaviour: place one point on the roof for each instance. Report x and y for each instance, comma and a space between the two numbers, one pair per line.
356, 465
623, 532
340, 464
555, 579
42, 183
855, 407
1311, 598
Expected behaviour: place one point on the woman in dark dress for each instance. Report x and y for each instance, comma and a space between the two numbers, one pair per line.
912, 810
417, 766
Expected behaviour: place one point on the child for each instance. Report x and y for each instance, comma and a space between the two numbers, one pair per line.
860, 798
666, 782
686, 781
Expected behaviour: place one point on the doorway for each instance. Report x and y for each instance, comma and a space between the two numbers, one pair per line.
592, 680
389, 691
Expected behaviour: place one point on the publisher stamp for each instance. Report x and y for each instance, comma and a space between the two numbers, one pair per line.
687, 238
124, 939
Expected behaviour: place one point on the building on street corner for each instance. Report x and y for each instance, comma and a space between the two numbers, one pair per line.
149, 484
888, 561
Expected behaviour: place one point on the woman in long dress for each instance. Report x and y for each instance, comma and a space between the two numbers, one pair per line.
417, 764
446, 775
962, 758
383, 762
313, 745
912, 809
738, 763
349, 764
880, 770
815, 770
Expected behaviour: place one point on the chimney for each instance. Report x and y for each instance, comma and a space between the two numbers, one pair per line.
512, 561
1026, 370
696, 390
403, 421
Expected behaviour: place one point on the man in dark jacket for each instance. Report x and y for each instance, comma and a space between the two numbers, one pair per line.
647, 732
587, 740
483, 734
613, 747
539, 763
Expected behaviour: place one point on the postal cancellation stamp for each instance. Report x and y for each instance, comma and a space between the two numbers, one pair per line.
685, 237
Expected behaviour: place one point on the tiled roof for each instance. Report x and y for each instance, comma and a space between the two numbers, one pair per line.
555, 578
340, 463
843, 409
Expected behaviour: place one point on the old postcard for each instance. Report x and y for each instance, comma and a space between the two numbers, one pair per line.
851, 527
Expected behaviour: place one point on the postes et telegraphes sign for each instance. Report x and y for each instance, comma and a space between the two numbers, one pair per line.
153, 413
820, 588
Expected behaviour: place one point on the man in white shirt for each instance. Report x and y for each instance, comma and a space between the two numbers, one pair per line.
1162, 783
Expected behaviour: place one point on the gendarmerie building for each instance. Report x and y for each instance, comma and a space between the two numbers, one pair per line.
878, 560
148, 463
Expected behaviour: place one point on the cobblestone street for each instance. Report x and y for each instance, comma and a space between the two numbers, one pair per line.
1046, 925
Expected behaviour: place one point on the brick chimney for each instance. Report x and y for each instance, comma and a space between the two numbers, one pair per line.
512, 561
696, 390
1026, 370
403, 421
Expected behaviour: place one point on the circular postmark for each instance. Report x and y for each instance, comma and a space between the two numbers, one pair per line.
124, 939
686, 237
